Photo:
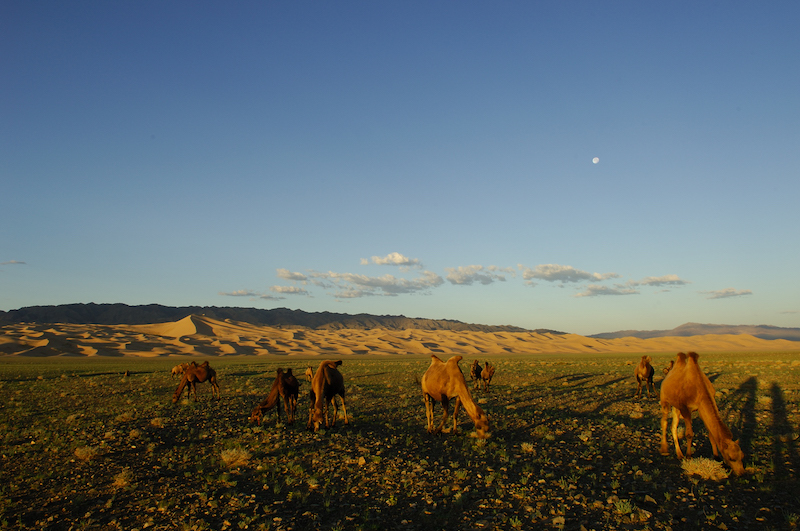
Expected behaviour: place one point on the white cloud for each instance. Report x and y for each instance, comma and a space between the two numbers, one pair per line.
726, 293
240, 293
351, 285
666, 280
468, 275
289, 290
595, 290
288, 275
562, 273
13, 262
393, 259
352, 294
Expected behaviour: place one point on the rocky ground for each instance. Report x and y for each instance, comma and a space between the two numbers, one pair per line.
85, 447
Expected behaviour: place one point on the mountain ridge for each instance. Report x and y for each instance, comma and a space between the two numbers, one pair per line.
698, 329
123, 314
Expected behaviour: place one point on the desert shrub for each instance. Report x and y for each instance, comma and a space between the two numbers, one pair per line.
86, 453
235, 457
705, 468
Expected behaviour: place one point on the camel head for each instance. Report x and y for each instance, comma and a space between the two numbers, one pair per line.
732, 455
256, 415
482, 425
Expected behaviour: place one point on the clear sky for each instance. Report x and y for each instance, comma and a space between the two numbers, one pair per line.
580, 166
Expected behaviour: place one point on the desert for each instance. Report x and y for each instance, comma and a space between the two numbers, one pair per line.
91, 439
197, 335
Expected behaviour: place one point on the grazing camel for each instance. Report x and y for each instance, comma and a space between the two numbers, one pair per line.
644, 376
193, 374
285, 386
475, 374
443, 381
486, 375
309, 373
177, 370
327, 383
669, 367
686, 389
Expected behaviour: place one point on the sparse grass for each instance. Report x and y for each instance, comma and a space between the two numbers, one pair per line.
567, 454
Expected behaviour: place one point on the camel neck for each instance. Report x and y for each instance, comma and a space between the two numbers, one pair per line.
710, 414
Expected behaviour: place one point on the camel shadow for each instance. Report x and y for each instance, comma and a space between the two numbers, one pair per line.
784, 451
741, 404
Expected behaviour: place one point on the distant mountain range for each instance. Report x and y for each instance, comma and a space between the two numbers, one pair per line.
698, 329
115, 314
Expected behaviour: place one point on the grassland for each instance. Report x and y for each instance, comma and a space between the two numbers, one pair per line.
85, 447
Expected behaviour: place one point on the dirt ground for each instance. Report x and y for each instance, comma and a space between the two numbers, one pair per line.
86, 447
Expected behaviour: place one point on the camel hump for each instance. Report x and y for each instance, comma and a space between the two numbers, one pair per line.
435, 358
694, 356
337, 363
681, 357
456, 359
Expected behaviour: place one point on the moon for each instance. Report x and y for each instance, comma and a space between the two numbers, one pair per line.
595, 160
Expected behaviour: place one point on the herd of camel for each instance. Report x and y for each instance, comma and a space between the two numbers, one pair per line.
685, 389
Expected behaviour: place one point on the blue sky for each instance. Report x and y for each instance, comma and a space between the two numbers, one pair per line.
430, 159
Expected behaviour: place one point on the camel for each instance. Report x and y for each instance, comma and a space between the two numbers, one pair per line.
327, 383
486, 375
309, 373
686, 389
177, 370
475, 374
669, 367
443, 381
644, 376
193, 374
285, 386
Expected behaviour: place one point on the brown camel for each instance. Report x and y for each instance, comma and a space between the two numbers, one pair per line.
309, 373
443, 381
644, 376
177, 370
327, 383
475, 374
285, 386
193, 374
669, 367
686, 389
486, 375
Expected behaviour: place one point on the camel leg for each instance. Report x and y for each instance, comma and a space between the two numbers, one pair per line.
428, 411
335, 411
675, 440
664, 421
287, 407
688, 432
638, 387
446, 408
455, 414
344, 409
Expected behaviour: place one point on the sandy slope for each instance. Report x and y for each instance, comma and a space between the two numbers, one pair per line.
197, 335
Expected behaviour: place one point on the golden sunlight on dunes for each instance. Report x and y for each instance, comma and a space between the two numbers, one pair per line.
199, 335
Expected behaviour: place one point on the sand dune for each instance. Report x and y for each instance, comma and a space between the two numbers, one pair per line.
201, 336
